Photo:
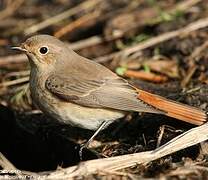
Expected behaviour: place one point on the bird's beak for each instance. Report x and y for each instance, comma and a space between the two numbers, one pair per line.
19, 48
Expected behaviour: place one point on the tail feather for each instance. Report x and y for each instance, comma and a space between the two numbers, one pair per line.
174, 109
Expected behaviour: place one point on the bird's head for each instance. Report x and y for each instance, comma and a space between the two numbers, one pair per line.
43, 51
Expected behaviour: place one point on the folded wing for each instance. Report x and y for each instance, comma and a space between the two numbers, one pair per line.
113, 93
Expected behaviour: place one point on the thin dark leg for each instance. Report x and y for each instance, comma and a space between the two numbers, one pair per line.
85, 145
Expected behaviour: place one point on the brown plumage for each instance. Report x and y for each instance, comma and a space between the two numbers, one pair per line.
80, 92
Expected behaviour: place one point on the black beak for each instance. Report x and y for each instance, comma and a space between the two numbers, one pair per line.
19, 48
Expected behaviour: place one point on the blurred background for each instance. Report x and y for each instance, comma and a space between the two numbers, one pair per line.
158, 45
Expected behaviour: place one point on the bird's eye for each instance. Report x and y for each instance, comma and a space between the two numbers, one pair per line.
43, 50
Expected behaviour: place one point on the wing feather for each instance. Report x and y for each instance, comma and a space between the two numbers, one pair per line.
113, 93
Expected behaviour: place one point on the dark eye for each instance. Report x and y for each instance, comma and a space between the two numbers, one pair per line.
43, 50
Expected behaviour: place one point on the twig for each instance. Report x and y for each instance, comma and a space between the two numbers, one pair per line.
77, 23
18, 73
202, 23
184, 5
148, 76
36, 111
86, 5
5, 163
187, 139
14, 82
186, 170
91, 41
10, 9
198, 50
162, 130
192, 63
192, 69
12, 59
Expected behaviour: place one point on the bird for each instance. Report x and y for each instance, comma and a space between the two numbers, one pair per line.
80, 92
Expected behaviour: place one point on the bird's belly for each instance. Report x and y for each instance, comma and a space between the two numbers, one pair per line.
70, 113
76, 115
85, 117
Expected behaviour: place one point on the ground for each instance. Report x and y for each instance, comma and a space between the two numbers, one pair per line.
174, 66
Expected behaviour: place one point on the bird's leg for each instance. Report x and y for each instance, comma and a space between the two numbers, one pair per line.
85, 145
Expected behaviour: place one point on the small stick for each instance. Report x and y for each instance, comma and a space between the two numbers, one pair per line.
184, 5
199, 50
75, 24
5, 163
162, 130
12, 59
85, 5
148, 76
192, 69
18, 73
14, 82
11, 8
192, 63
91, 41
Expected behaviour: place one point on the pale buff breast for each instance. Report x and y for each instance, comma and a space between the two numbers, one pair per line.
88, 118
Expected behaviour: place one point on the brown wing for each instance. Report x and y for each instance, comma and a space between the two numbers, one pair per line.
113, 93
71, 88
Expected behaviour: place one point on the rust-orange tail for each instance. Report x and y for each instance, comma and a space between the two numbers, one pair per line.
174, 109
